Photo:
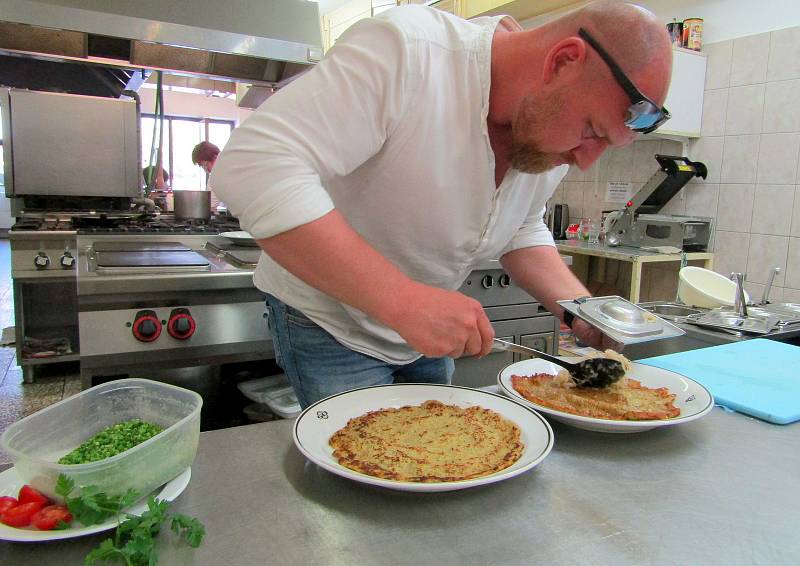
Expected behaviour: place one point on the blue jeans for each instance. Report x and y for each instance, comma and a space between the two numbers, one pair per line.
318, 366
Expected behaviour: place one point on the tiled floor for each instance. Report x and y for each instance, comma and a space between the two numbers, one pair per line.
18, 399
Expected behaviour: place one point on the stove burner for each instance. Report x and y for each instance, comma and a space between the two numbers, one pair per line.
125, 224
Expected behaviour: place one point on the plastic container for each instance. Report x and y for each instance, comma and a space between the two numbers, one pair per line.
274, 392
36, 442
700, 287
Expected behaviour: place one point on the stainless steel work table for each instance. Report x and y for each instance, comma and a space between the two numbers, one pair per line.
721, 490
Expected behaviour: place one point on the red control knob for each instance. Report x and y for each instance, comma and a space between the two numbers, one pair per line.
181, 324
146, 326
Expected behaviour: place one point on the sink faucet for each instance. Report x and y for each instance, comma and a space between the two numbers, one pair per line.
740, 303
765, 298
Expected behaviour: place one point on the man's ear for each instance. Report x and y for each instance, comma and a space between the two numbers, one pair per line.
565, 61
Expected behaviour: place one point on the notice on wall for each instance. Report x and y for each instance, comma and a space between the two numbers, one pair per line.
619, 191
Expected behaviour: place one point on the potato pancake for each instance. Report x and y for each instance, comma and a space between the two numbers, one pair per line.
431, 442
626, 400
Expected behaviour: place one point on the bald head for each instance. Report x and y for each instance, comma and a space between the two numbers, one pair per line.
634, 37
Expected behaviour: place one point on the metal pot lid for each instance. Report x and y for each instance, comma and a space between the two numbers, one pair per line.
622, 312
621, 320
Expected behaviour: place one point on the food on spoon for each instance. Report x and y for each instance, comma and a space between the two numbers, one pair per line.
431, 442
111, 441
626, 400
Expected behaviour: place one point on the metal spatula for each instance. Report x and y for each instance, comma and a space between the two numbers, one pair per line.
594, 372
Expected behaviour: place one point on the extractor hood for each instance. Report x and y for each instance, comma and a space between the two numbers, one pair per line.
261, 43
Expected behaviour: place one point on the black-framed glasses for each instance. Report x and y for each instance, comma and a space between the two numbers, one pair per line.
644, 115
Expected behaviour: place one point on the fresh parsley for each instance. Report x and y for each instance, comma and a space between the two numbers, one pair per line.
135, 537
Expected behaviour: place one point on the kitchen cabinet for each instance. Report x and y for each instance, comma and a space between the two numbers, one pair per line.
453, 6
518, 9
685, 95
335, 22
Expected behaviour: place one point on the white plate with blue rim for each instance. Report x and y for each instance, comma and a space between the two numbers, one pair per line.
693, 400
316, 424
10, 484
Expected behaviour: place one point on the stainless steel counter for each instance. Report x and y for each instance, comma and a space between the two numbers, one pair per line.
722, 490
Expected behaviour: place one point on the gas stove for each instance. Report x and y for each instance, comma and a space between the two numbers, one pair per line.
122, 223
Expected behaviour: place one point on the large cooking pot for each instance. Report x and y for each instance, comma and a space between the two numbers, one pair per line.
192, 205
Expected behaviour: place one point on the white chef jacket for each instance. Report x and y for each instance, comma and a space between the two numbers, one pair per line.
390, 129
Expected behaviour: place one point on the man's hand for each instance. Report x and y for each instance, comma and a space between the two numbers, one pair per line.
436, 323
591, 336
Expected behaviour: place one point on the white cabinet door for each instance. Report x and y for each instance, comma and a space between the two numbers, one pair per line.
685, 96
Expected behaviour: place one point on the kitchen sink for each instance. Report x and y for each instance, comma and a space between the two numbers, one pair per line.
671, 311
757, 321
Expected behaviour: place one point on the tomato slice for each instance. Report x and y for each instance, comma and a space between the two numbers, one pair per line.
50, 517
27, 494
7, 502
20, 516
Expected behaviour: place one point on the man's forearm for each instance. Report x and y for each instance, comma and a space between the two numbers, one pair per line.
332, 257
541, 271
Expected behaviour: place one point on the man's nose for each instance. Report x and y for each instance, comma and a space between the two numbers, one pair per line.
589, 152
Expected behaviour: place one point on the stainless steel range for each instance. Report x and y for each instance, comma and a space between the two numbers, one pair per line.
45, 271
157, 301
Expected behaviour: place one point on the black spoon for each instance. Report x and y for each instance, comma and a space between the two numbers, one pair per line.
594, 372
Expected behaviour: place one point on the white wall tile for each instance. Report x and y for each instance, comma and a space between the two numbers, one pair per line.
735, 207
593, 200
620, 164
777, 158
701, 199
598, 171
795, 230
677, 204
781, 108
790, 295
573, 197
765, 253
574, 174
750, 58
644, 163
730, 252
708, 150
784, 55
718, 64
739, 159
793, 264
772, 209
671, 147
745, 111
715, 103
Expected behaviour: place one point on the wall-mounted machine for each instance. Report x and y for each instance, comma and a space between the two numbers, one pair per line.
639, 225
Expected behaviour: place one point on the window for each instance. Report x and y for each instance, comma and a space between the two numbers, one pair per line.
180, 137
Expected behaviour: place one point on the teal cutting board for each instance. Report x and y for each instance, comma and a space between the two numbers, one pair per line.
758, 377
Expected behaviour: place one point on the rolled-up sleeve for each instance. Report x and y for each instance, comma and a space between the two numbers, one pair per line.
272, 172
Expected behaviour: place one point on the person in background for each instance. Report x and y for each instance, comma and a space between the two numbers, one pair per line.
205, 155
155, 178
420, 146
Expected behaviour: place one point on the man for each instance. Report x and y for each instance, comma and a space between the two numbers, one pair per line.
421, 145
205, 155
